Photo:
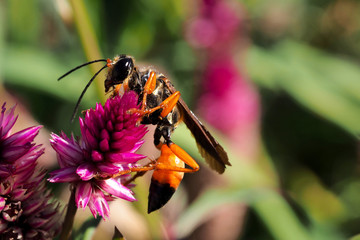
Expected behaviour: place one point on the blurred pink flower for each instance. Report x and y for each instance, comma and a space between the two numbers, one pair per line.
231, 104
228, 101
216, 26
26, 211
110, 138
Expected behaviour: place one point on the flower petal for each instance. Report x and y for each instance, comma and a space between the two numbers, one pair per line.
2, 203
68, 150
64, 175
98, 204
125, 144
7, 121
125, 157
83, 194
137, 146
109, 168
86, 171
96, 156
23, 136
115, 188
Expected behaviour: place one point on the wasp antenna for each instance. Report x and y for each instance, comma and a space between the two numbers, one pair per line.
83, 92
80, 66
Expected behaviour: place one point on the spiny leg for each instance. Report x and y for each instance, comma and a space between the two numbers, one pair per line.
172, 149
148, 88
148, 167
116, 90
167, 106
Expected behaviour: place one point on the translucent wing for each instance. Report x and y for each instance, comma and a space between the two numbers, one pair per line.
213, 153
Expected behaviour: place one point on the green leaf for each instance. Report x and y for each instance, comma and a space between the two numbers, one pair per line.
327, 85
2, 38
39, 70
137, 38
87, 230
269, 205
356, 237
198, 212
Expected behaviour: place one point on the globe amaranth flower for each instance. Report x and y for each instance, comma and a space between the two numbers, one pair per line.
25, 208
109, 139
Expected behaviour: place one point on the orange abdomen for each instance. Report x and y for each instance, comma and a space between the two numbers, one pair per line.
164, 182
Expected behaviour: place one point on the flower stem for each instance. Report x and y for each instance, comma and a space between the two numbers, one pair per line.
88, 41
69, 218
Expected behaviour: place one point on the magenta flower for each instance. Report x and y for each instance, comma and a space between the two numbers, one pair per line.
17, 151
110, 138
216, 27
218, 32
26, 211
235, 98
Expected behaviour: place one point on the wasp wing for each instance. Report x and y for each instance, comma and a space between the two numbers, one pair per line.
209, 148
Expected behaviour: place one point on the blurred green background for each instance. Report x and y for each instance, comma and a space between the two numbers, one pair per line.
295, 172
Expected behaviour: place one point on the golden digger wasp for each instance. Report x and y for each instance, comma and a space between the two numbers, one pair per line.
161, 105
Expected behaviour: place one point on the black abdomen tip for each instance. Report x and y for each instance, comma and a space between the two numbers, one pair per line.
159, 195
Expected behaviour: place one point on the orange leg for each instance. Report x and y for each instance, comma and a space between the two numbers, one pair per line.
117, 89
150, 83
148, 167
136, 169
167, 161
164, 167
185, 157
167, 105
148, 88
126, 85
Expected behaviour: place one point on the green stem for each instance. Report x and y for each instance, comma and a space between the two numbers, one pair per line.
279, 218
88, 41
69, 218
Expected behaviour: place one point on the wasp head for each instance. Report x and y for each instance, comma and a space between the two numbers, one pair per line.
120, 69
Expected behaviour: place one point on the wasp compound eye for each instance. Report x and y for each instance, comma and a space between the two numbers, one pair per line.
122, 69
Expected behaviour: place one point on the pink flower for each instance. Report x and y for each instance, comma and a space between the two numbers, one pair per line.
236, 105
228, 101
26, 211
110, 138
215, 28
